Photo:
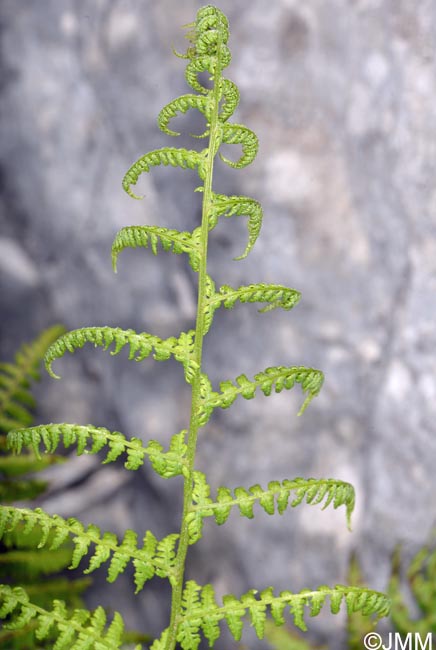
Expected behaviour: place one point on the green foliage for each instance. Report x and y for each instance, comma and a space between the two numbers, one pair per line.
421, 578
201, 612
20, 561
16, 400
140, 346
91, 440
78, 631
406, 617
194, 610
153, 558
314, 491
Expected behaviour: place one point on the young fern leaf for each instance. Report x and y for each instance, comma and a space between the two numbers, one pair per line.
278, 496
15, 378
181, 105
276, 378
274, 294
239, 134
201, 613
229, 206
149, 236
194, 610
184, 158
231, 99
153, 558
140, 346
90, 440
79, 630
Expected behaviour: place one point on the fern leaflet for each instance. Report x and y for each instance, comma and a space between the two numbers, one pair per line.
140, 346
181, 105
239, 134
202, 614
184, 158
277, 495
153, 558
80, 630
274, 294
275, 378
90, 440
229, 206
145, 236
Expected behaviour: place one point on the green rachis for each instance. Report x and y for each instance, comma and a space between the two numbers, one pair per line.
194, 608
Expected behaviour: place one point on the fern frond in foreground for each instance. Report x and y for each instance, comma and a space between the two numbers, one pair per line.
194, 610
201, 614
79, 630
152, 558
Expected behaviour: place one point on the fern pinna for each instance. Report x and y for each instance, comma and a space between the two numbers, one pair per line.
195, 611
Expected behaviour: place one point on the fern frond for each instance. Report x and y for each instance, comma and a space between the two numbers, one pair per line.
240, 134
79, 630
201, 613
154, 558
277, 495
209, 45
231, 99
15, 378
274, 294
140, 346
275, 378
184, 158
145, 236
181, 105
90, 440
229, 206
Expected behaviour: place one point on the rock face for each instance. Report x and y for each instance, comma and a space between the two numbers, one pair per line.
342, 96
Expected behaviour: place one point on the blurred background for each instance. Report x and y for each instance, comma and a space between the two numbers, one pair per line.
342, 94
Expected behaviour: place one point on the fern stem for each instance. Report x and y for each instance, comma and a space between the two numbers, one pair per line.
200, 329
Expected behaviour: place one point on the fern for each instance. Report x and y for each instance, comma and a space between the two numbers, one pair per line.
20, 562
16, 400
201, 613
149, 236
140, 346
80, 631
194, 610
277, 495
153, 558
91, 440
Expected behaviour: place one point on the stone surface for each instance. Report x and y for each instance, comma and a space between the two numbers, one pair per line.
342, 95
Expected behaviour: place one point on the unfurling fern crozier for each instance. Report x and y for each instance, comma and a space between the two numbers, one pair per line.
195, 612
